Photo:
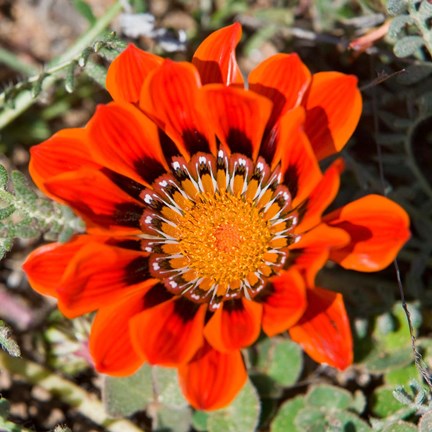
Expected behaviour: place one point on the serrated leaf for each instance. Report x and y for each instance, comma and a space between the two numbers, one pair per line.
242, 415
398, 23
407, 46
125, 396
22, 188
285, 417
396, 7
6, 341
24, 229
4, 177
328, 397
6, 211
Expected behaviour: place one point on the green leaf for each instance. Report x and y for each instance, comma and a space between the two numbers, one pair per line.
425, 423
4, 408
6, 341
172, 419
6, 211
397, 25
242, 415
3, 177
285, 417
85, 10
384, 403
401, 426
22, 187
328, 397
199, 420
345, 421
380, 361
401, 375
396, 7
311, 419
281, 360
407, 46
125, 396
167, 388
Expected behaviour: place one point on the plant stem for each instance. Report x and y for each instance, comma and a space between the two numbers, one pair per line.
15, 63
25, 99
68, 392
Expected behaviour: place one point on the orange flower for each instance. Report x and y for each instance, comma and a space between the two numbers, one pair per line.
203, 201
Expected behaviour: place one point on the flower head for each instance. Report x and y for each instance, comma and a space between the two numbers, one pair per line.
204, 205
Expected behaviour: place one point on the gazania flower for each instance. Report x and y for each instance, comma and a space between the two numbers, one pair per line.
204, 203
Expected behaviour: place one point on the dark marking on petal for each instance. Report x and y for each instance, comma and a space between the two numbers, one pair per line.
231, 306
149, 169
127, 214
168, 146
269, 145
291, 180
131, 187
130, 244
137, 271
238, 142
185, 309
195, 141
157, 294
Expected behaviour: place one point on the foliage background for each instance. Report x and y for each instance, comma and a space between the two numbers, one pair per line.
51, 73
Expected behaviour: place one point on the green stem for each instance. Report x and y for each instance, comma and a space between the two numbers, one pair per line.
66, 391
15, 63
25, 99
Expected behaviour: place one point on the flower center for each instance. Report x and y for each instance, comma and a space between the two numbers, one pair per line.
224, 238
217, 227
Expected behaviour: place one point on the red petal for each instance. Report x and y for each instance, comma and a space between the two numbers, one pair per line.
97, 199
324, 330
283, 78
299, 165
46, 265
65, 151
311, 252
238, 117
127, 73
215, 57
170, 333
378, 228
110, 341
235, 325
320, 198
333, 108
99, 275
126, 141
212, 379
170, 97
285, 303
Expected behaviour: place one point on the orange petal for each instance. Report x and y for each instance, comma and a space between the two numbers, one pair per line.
333, 107
65, 151
235, 325
110, 341
215, 57
311, 210
238, 117
211, 380
99, 275
170, 97
124, 140
284, 304
284, 79
311, 252
300, 169
97, 199
46, 265
324, 331
170, 333
378, 228
127, 73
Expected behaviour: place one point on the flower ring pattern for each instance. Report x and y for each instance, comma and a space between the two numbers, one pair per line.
205, 210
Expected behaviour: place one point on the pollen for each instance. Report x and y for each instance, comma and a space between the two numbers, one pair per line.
217, 228
224, 238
